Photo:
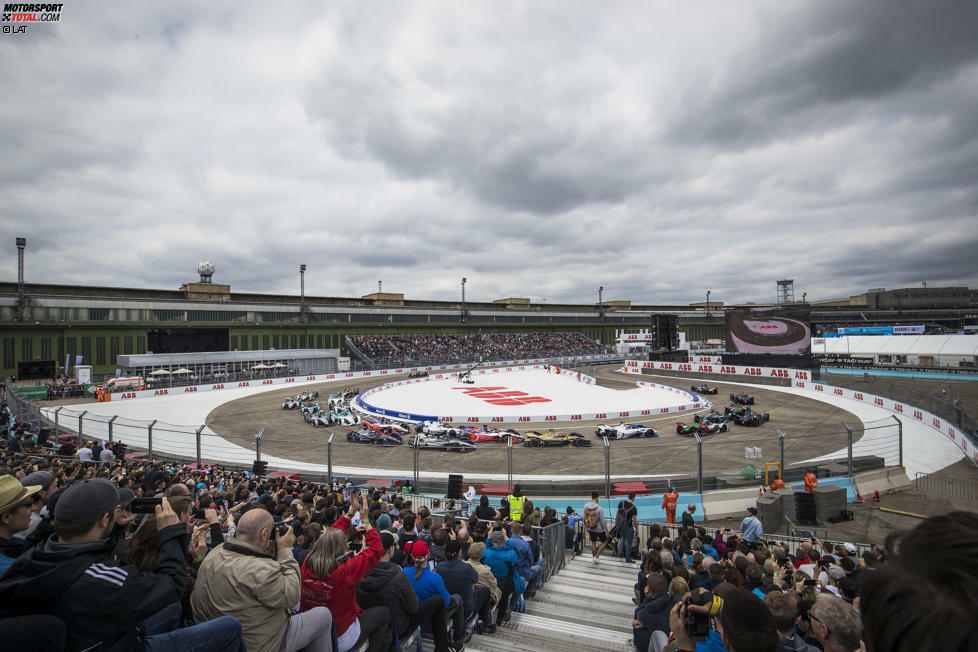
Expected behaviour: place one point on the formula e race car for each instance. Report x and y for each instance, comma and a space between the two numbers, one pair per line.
742, 399
290, 404
711, 417
702, 428
309, 408
308, 396
434, 442
368, 436
552, 438
344, 418
318, 419
704, 389
733, 411
625, 431
751, 418
418, 374
437, 428
489, 435
390, 427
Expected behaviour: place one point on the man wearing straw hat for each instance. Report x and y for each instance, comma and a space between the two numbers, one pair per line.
16, 501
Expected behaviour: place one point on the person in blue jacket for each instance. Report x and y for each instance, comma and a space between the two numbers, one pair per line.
427, 584
501, 560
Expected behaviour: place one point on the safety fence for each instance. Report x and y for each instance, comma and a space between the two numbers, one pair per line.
944, 403
734, 459
790, 541
939, 484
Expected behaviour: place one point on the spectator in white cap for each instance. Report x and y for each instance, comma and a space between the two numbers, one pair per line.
48, 484
104, 605
15, 517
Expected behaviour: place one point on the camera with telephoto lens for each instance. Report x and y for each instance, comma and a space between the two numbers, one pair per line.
281, 527
697, 624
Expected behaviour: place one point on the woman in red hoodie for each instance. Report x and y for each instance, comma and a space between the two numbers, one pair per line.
329, 579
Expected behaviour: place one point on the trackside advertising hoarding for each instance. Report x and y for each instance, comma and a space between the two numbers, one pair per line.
636, 366
688, 401
349, 375
899, 408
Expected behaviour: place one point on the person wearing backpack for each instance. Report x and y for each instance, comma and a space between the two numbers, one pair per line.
626, 520
596, 525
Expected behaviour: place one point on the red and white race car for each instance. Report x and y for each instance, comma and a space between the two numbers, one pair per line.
394, 428
468, 433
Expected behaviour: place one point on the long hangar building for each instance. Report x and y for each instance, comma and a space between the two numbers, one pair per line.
47, 323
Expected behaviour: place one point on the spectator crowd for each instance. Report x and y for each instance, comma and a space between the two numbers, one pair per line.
100, 552
402, 349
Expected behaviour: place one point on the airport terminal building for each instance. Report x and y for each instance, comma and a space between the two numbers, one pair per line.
43, 325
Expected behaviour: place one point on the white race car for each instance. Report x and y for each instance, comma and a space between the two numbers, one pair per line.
319, 420
290, 404
308, 396
345, 418
438, 428
625, 431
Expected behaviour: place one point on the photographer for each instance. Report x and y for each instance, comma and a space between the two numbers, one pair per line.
256, 580
329, 579
736, 622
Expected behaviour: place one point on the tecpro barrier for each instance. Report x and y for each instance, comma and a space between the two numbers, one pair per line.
690, 402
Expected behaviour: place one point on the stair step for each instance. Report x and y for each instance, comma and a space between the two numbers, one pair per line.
578, 634
576, 601
596, 577
617, 620
553, 588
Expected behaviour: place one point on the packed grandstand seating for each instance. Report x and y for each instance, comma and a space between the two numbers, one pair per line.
87, 565
402, 349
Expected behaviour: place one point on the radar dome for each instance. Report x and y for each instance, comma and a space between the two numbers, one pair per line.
206, 271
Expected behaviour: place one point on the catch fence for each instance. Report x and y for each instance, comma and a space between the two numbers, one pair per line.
691, 464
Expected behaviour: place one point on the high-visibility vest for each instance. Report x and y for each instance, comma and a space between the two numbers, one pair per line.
516, 507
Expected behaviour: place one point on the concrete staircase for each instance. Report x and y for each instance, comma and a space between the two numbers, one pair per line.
587, 606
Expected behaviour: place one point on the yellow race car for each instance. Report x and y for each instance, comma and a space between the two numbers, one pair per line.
552, 438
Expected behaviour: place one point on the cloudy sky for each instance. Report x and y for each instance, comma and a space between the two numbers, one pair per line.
539, 149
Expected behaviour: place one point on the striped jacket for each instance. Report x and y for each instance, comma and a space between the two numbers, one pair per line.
102, 603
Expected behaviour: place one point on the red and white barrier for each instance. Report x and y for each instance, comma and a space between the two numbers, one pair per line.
635, 367
899, 408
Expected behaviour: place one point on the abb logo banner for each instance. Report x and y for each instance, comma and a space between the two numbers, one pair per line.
771, 372
926, 418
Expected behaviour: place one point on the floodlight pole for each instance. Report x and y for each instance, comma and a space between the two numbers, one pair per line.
464, 280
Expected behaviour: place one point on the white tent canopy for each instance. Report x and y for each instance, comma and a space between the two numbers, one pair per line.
159, 372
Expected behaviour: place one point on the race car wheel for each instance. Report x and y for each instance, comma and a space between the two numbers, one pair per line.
349, 437
533, 443
723, 427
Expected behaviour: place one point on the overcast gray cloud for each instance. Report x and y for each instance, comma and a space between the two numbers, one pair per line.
538, 149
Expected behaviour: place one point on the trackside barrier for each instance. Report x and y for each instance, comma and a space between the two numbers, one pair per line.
901, 410
674, 532
691, 402
349, 375
636, 367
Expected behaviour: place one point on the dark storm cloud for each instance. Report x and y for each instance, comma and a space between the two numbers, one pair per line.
659, 150
816, 64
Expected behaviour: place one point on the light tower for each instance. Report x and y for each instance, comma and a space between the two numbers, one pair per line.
21, 297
